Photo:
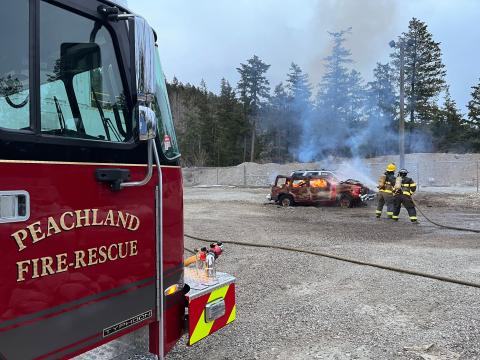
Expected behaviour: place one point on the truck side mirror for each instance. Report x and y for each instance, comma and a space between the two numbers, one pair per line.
146, 79
147, 123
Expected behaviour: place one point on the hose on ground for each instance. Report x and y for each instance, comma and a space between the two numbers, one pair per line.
442, 225
348, 260
190, 251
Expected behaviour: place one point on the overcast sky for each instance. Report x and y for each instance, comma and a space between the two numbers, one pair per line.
208, 39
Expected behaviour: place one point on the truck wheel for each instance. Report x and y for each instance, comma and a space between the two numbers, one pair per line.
285, 200
346, 201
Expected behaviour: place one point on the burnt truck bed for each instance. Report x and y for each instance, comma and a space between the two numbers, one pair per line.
318, 190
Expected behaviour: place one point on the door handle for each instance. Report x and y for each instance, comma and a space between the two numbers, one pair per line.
113, 177
14, 206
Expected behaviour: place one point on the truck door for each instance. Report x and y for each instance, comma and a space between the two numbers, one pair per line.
321, 189
300, 188
77, 260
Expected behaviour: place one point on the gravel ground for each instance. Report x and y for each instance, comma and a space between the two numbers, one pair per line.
296, 306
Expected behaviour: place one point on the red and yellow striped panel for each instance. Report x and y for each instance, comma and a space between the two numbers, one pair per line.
198, 328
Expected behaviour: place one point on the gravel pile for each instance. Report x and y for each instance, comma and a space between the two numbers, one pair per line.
439, 169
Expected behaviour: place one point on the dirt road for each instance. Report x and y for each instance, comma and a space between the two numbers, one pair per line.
297, 306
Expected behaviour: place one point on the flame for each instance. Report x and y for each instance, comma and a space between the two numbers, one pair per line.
299, 184
319, 183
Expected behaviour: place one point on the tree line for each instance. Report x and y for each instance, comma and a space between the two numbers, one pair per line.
342, 116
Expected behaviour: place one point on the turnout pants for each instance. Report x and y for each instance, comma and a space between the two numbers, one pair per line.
407, 202
382, 199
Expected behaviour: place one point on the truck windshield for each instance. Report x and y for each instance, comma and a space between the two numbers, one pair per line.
166, 129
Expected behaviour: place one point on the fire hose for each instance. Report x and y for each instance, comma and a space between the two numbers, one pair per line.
348, 260
442, 225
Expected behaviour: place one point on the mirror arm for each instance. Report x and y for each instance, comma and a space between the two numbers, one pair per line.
113, 13
149, 174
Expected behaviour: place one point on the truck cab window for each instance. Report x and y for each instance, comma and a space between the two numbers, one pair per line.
14, 65
166, 128
81, 91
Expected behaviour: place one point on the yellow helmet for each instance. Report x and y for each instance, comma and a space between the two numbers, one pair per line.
391, 167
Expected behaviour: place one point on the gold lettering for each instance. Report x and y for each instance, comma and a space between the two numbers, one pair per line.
20, 236
62, 221
34, 230
133, 248
47, 266
102, 251
79, 259
62, 263
85, 217
123, 219
22, 269
120, 253
52, 226
94, 222
35, 268
134, 223
109, 219
110, 257
92, 257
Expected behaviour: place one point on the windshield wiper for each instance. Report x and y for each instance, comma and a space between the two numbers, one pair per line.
61, 118
102, 115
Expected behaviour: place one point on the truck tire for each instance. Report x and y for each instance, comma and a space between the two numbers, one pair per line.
285, 200
346, 201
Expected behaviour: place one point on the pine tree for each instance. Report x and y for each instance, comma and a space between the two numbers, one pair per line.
332, 98
254, 92
300, 106
277, 121
474, 106
449, 129
299, 89
356, 100
380, 135
339, 108
231, 127
424, 72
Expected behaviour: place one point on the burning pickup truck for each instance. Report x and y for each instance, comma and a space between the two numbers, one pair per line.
324, 189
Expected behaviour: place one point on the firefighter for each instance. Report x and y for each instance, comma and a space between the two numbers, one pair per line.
385, 193
404, 188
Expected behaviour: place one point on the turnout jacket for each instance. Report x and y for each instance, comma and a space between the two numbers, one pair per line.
408, 186
389, 182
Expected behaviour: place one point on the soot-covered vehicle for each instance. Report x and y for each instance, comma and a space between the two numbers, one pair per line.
322, 189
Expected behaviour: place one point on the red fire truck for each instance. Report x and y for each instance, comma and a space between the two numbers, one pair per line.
91, 201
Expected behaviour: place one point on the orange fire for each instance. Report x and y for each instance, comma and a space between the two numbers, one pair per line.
318, 183
298, 184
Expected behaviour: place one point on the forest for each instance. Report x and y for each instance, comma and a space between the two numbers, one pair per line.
342, 115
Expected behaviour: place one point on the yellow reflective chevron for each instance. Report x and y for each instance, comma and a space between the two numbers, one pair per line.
233, 314
202, 328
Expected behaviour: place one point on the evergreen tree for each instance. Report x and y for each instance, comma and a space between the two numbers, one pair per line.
299, 89
356, 100
299, 104
231, 127
332, 99
449, 129
339, 108
424, 72
380, 131
473, 135
277, 121
474, 107
254, 92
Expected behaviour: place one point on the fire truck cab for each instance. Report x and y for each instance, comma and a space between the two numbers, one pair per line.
91, 195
